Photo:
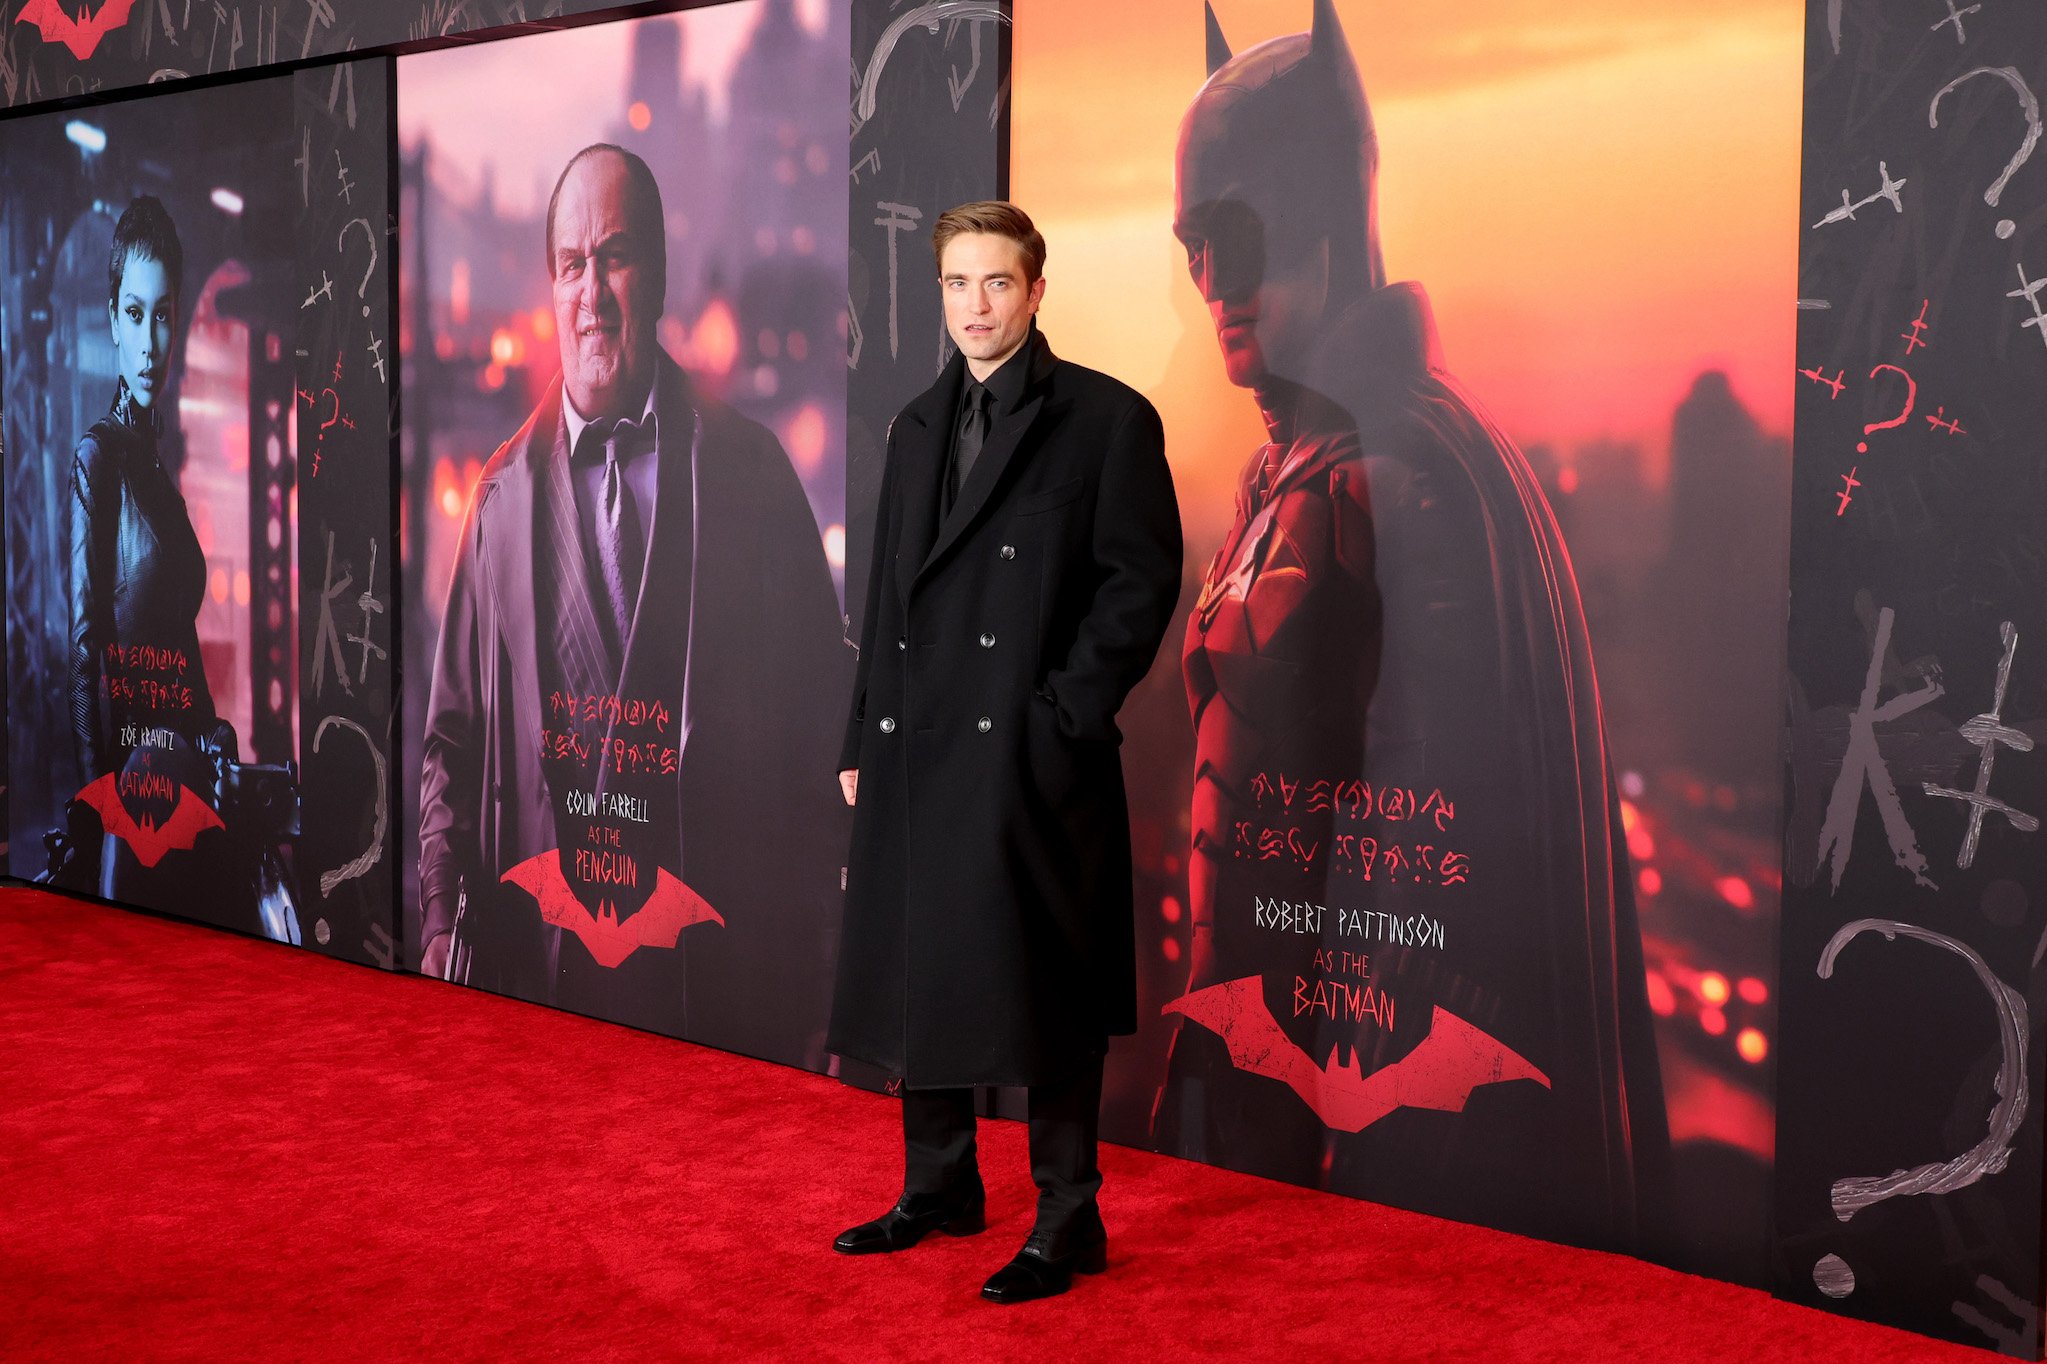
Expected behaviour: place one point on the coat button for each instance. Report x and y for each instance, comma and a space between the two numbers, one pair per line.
984, 724
1009, 551
987, 641
888, 726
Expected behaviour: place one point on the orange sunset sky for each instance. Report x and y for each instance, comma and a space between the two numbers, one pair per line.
1601, 198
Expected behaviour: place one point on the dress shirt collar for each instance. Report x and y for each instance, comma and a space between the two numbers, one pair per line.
1006, 385
649, 419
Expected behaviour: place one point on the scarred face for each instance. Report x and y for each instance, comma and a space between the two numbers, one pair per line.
606, 291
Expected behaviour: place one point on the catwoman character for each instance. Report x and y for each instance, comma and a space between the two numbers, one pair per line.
138, 576
1403, 826
141, 710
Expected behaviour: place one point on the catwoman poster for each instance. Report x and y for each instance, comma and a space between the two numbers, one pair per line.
146, 323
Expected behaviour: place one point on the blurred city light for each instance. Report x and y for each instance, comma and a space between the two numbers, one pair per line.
1736, 892
86, 135
228, 202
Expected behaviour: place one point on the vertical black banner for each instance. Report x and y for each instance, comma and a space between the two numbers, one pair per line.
347, 412
1915, 899
930, 130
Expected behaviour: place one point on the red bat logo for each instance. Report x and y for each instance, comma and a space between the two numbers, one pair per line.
671, 908
1440, 1073
82, 35
147, 839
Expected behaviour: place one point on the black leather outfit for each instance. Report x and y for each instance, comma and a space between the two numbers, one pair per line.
138, 579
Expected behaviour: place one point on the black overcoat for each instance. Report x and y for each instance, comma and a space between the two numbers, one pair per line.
988, 929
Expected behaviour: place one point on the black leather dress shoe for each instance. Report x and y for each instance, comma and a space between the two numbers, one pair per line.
1036, 1274
914, 1217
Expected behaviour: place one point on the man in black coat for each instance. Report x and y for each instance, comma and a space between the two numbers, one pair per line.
636, 690
1026, 563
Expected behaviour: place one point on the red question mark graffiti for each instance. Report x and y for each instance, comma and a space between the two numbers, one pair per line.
1911, 397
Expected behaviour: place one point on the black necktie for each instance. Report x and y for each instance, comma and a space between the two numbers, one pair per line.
621, 553
973, 431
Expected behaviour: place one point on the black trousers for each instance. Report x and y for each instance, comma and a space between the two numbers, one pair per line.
1065, 1120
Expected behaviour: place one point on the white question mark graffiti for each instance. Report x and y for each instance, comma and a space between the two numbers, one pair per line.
369, 856
341, 244
2027, 104
1832, 1275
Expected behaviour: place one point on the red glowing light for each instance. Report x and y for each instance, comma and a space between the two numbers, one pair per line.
1169, 909
1650, 881
1751, 1045
1752, 991
639, 116
1567, 480
1171, 947
1641, 844
1736, 892
1713, 988
1662, 999
805, 438
1713, 1021
716, 340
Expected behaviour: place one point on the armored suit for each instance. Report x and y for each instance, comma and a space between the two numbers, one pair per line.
1405, 839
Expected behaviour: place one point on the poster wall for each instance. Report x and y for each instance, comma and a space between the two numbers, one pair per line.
148, 324
632, 667
1456, 802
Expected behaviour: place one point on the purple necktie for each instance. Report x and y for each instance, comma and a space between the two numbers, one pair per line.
621, 552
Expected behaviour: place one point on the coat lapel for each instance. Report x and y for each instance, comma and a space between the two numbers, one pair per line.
658, 655
924, 432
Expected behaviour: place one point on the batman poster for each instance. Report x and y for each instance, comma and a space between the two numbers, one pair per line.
1455, 809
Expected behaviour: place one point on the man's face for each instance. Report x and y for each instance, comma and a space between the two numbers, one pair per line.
1264, 278
988, 303
605, 304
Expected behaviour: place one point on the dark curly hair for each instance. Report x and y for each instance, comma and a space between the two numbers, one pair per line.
146, 230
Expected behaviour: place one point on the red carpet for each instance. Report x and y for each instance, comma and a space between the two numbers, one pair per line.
215, 1148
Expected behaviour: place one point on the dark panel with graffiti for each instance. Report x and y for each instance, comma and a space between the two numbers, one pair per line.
1909, 1146
347, 403
929, 129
